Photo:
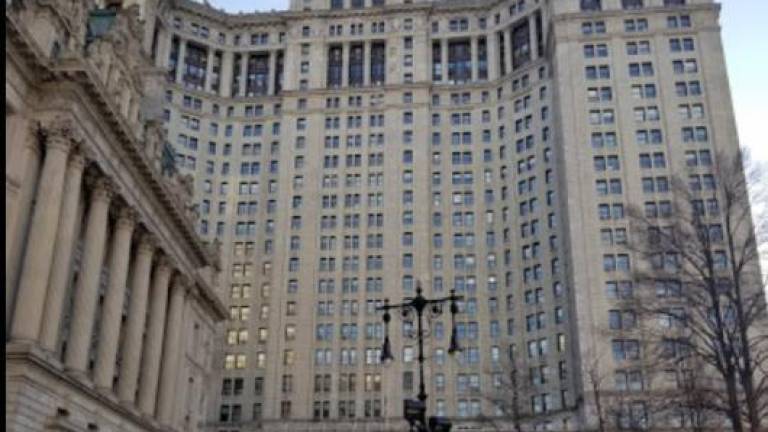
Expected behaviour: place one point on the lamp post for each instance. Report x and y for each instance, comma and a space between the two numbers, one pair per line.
415, 411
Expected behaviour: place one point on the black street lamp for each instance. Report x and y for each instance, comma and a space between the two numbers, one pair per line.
415, 410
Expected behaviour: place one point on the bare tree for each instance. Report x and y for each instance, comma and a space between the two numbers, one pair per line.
614, 407
595, 379
707, 290
509, 384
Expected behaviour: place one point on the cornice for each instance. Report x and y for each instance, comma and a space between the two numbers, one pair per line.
213, 303
17, 38
226, 19
284, 17
618, 13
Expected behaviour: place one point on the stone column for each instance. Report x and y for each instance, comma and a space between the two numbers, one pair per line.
181, 62
272, 72
112, 313
475, 58
492, 56
163, 42
137, 311
367, 63
62, 256
171, 353
23, 164
507, 50
36, 266
209, 69
533, 44
444, 59
87, 290
150, 361
17, 213
345, 51
244, 74
225, 87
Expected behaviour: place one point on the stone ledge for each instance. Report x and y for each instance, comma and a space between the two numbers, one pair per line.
22, 356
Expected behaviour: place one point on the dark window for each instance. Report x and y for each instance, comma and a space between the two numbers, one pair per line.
459, 61
173, 60
521, 44
632, 4
334, 66
257, 77
482, 60
195, 64
337, 4
437, 62
591, 5
356, 68
216, 71
502, 54
378, 63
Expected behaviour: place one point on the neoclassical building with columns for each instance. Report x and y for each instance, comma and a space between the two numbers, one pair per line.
342, 152
110, 303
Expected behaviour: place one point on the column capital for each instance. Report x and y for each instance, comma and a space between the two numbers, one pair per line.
181, 280
164, 263
35, 135
147, 243
77, 158
60, 133
102, 189
126, 217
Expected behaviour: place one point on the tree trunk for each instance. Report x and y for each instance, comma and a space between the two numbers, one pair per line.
745, 354
734, 411
599, 408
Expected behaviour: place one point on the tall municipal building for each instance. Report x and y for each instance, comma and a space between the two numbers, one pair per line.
204, 209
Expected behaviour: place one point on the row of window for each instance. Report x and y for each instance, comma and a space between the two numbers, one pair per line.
639, 48
597, 5
635, 25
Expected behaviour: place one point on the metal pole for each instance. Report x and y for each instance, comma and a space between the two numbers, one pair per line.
418, 304
422, 390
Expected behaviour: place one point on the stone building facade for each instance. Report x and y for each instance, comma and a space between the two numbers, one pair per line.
345, 150
110, 303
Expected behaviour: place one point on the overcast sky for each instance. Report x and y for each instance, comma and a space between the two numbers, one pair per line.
745, 34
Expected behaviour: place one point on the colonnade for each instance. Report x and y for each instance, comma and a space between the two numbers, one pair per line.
225, 88
132, 253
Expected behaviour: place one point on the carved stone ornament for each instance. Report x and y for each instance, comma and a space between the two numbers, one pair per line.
119, 44
132, 14
147, 242
126, 215
102, 189
99, 53
78, 157
154, 137
75, 13
187, 183
60, 131
163, 262
126, 34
